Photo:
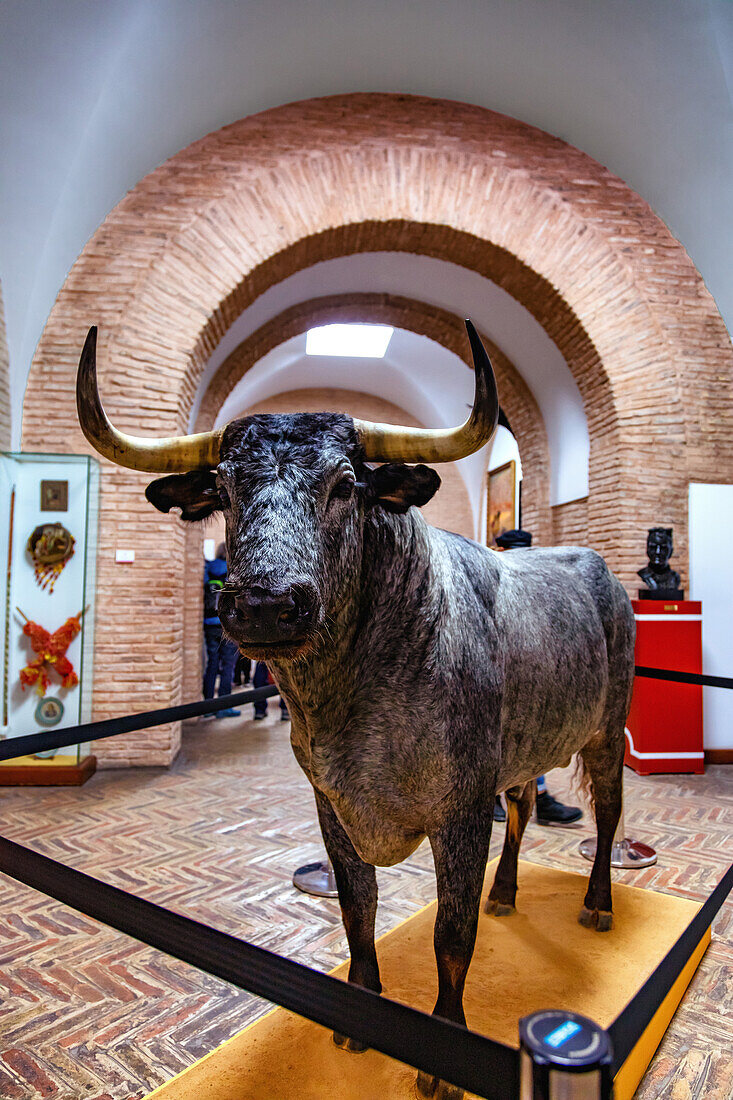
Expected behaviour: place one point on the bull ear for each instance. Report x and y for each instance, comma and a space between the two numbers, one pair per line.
194, 493
395, 486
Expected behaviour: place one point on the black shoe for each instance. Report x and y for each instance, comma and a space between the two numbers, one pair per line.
552, 812
499, 811
260, 717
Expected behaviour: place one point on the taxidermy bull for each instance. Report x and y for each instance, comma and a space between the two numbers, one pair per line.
423, 672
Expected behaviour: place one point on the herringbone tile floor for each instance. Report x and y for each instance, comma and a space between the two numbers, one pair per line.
87, 1012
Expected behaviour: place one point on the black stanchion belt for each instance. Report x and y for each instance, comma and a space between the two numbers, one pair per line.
632, 1021
685, 677
13, 747
449, 1051
435, 1046
110, 727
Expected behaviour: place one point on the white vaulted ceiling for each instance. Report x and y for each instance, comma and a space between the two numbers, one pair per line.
94, 95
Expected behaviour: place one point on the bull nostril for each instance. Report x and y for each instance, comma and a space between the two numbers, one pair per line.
272, 614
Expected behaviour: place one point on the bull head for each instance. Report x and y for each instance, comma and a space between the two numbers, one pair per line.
380, 442
295, 492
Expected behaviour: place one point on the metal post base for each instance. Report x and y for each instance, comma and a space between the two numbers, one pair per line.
624, 853
317, 879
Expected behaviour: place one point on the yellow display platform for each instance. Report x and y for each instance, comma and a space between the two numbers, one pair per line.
537, 958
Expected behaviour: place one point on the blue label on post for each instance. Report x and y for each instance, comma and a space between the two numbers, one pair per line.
561, 1034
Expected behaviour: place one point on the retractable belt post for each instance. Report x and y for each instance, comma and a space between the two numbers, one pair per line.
563, 1054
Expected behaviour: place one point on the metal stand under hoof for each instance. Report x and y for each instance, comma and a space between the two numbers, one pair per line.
317, 879
625, 853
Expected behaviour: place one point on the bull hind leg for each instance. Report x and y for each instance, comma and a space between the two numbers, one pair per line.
503, 894
356, 882
603, 759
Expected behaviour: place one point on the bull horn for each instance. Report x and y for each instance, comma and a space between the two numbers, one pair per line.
176, 454
390, 443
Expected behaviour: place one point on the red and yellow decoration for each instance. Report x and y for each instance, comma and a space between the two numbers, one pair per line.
50, 546
50, 650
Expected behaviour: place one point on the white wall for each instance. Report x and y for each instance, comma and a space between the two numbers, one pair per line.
711, 538
94, 95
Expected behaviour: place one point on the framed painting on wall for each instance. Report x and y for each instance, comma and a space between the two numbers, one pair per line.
501, 505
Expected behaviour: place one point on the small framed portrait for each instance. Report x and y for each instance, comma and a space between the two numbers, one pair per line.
501, 504
54, 496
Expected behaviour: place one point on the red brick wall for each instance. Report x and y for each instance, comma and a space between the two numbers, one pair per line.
570, 523
200, 237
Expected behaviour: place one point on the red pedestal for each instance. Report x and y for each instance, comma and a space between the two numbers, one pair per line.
664, 728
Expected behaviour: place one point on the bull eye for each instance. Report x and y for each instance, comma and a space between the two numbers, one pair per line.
343, 489
223, 496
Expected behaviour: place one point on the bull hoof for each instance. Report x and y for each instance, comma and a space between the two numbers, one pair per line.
498, 908
435, 1089
600, 919
343, 1042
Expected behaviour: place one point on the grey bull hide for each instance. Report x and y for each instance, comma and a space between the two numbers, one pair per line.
423, 672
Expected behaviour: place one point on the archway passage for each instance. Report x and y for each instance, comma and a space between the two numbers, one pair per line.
437, 324
203, 235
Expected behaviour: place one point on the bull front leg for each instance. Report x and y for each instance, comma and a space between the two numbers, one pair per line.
460, 850
356, 882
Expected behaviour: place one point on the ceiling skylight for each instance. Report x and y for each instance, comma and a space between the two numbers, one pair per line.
350, 341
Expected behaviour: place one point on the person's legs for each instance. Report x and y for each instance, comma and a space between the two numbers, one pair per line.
212, 637
260, 680
228, 653
227, 659
552, 812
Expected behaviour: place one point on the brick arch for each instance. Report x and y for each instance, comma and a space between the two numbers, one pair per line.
425, 320
244, 207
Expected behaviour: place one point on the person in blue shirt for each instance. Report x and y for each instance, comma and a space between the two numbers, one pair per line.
221, 654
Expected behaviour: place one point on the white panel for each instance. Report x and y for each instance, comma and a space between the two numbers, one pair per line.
711, 538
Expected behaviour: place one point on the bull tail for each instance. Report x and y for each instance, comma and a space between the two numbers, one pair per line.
582, 781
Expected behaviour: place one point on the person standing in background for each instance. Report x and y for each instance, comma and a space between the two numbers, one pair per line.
221, 654
261, 678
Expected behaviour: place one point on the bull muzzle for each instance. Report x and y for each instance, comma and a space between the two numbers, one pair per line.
259, 617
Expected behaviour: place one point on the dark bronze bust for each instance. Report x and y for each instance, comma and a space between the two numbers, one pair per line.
661, 581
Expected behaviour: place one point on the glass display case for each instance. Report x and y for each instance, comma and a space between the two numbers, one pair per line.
49, 506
